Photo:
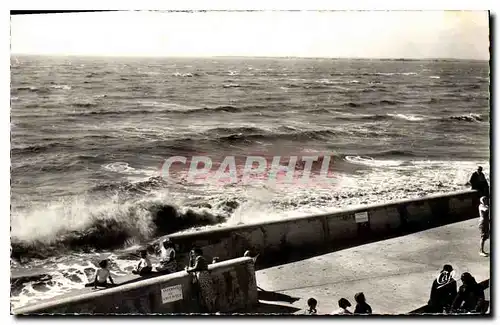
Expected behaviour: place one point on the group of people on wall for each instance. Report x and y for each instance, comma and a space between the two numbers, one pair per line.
198, 266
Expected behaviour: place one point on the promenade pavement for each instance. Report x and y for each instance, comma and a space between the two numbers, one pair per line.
395, 274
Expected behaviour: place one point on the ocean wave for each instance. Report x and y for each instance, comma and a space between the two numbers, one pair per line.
130, 188
294, 86
33, 89
362, 117
408, 117
391, 74
329, 81
372, 103
84, 104
120, 167
235, 130
30, 88
392, 153
371, 162
64, 87
213, 141
271, 136
109, 223
471, 117
94, 74
223, 108
37, 148
318, 110
231, 85
186, 74
159, 109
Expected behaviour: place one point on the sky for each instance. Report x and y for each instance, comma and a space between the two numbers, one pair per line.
344, 34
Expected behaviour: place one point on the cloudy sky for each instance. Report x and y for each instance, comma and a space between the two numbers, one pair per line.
366, 34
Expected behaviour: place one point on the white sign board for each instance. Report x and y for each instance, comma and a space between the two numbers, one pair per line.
170, 294
361, 217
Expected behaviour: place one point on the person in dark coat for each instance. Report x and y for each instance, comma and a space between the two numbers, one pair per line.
479, 183
443, 291
470, 296
361, 306
311, 304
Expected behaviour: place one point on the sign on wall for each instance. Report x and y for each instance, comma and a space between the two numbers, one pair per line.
170, 294
361, 217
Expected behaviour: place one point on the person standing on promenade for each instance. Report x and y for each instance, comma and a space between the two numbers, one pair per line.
484, 223
203, 279
479, 183
443, 291
361, 306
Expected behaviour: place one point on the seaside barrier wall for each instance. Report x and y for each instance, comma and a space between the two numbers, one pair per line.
234, 288
361, 224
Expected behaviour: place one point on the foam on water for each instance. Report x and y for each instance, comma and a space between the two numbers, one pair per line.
408, 117
67, 274
369, 161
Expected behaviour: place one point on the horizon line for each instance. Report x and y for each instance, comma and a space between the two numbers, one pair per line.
245, 56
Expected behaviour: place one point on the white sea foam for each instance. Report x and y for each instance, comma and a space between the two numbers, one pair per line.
369, 161
396, 73
64, 87
231, 85
408, 117
179, 74
119, 167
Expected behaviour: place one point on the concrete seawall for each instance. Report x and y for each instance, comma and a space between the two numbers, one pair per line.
360, 224
234, 288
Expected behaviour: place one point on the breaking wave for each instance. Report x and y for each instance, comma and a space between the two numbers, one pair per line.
124, 215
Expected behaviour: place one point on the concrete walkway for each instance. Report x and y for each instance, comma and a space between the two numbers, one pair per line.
395, 275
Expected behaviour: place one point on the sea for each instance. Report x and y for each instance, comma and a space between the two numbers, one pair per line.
89, 136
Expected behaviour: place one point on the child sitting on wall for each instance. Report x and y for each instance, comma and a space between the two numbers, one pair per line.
144, 267
101, 277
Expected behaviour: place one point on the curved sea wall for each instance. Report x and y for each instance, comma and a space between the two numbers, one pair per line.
233, 281
358, 225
